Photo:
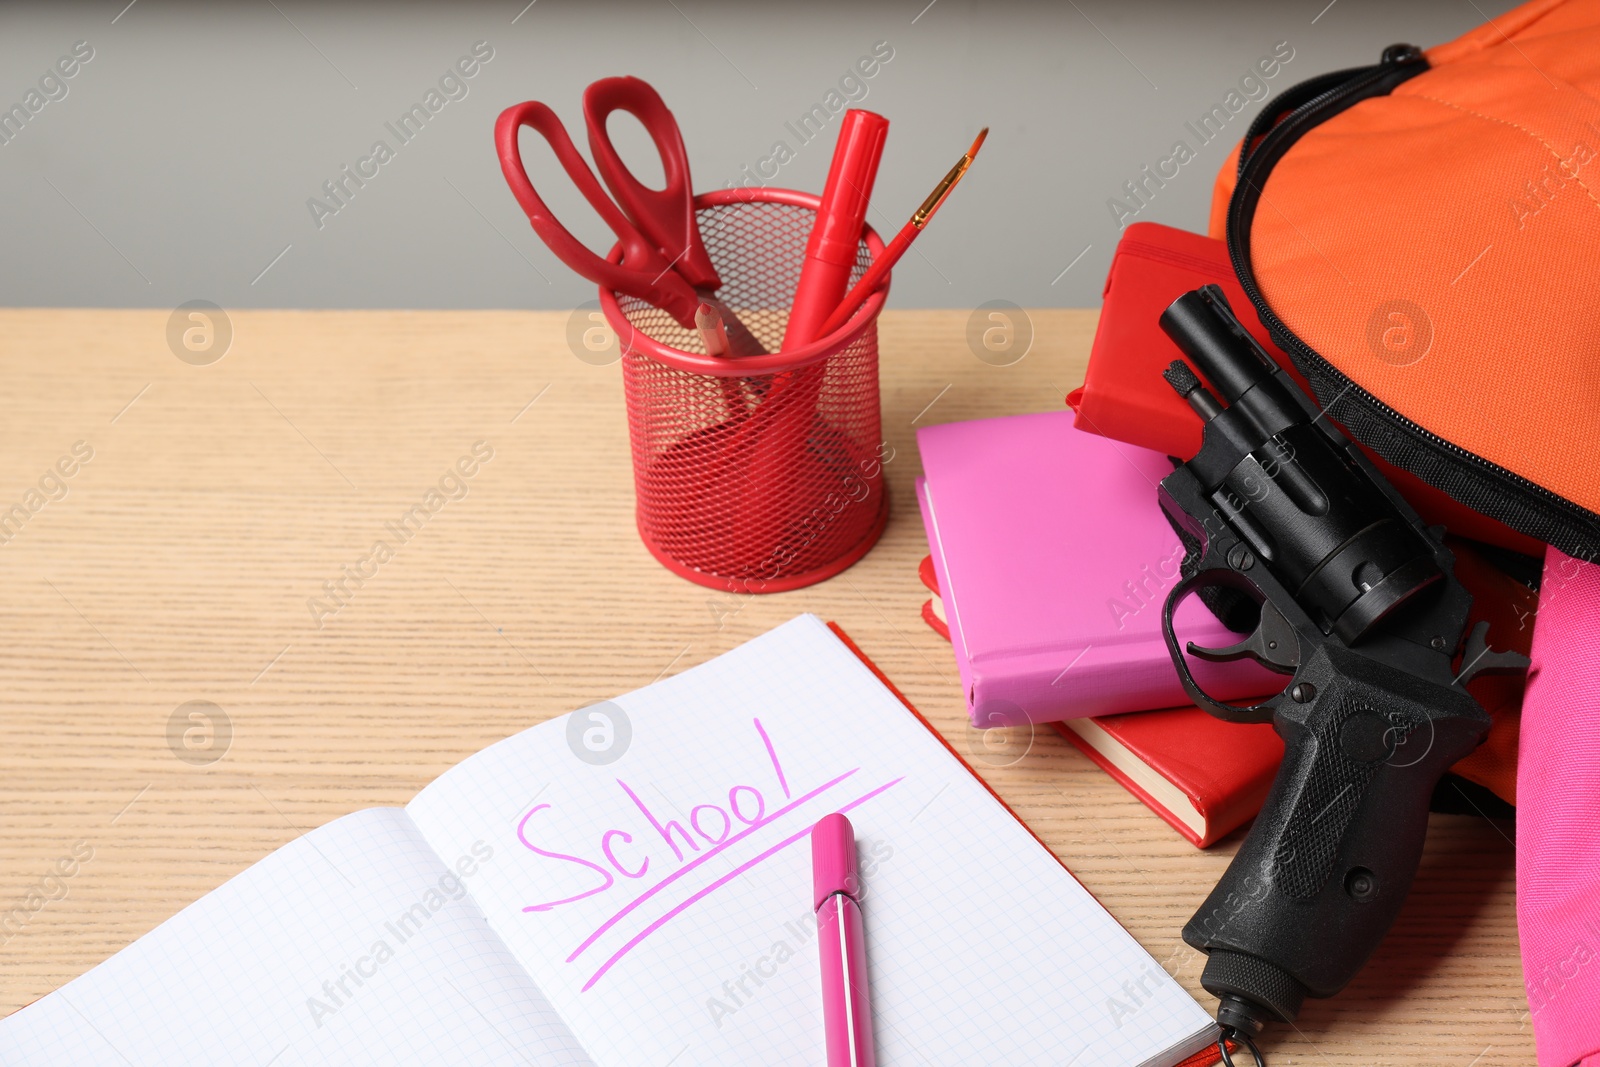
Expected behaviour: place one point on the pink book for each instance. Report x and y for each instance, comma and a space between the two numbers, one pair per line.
1054, 559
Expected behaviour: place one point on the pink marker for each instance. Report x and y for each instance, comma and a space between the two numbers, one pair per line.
846, 1007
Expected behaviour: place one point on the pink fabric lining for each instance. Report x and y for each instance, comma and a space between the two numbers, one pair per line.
1558, 817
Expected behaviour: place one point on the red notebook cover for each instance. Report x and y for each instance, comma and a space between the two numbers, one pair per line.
1124, 397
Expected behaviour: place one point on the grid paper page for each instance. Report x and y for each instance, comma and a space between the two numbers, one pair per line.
663, 901
238, 976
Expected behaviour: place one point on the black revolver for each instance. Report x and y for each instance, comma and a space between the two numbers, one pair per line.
1293, 537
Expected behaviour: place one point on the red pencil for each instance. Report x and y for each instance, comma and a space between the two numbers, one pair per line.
712, 331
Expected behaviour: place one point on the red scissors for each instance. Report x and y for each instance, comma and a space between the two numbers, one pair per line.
664, 260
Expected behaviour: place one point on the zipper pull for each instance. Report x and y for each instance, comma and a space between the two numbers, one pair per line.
1396, 54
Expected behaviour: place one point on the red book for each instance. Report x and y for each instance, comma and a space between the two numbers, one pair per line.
933, 608
1123, 395
1205, 777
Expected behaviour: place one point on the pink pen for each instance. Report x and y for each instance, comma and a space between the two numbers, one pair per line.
846, 1007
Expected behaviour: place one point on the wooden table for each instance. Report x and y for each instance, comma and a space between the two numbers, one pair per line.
220, 498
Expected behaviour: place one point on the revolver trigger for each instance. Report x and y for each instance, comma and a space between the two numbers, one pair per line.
1478, 658
1272, 644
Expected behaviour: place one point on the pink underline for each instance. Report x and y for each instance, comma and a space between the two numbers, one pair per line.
697, 861
724, 880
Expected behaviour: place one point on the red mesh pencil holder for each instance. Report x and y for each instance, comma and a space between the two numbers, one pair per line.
760, 473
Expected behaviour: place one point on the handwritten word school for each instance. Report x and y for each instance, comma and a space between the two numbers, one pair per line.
672, 849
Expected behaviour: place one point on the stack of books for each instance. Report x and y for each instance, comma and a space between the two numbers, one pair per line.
1050, 564
1051, 561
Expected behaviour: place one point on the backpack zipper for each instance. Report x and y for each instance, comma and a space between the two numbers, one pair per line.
1472, 480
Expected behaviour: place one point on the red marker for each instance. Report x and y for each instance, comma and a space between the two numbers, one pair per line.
891, 255
836, 234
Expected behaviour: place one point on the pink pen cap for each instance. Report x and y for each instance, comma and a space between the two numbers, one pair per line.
833, 860
841, 944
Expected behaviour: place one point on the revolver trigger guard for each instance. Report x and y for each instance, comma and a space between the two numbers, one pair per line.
1254, 713
1272, 644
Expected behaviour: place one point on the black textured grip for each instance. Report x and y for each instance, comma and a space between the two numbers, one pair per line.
1333, 792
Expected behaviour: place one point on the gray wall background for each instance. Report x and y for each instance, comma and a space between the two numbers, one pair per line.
179, 162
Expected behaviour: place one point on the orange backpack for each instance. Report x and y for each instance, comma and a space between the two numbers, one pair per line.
1423, 238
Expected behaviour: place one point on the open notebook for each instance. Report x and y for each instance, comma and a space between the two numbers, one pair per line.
537, 907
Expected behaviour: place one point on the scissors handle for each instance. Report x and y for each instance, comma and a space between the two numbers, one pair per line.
665, 215
644, 271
